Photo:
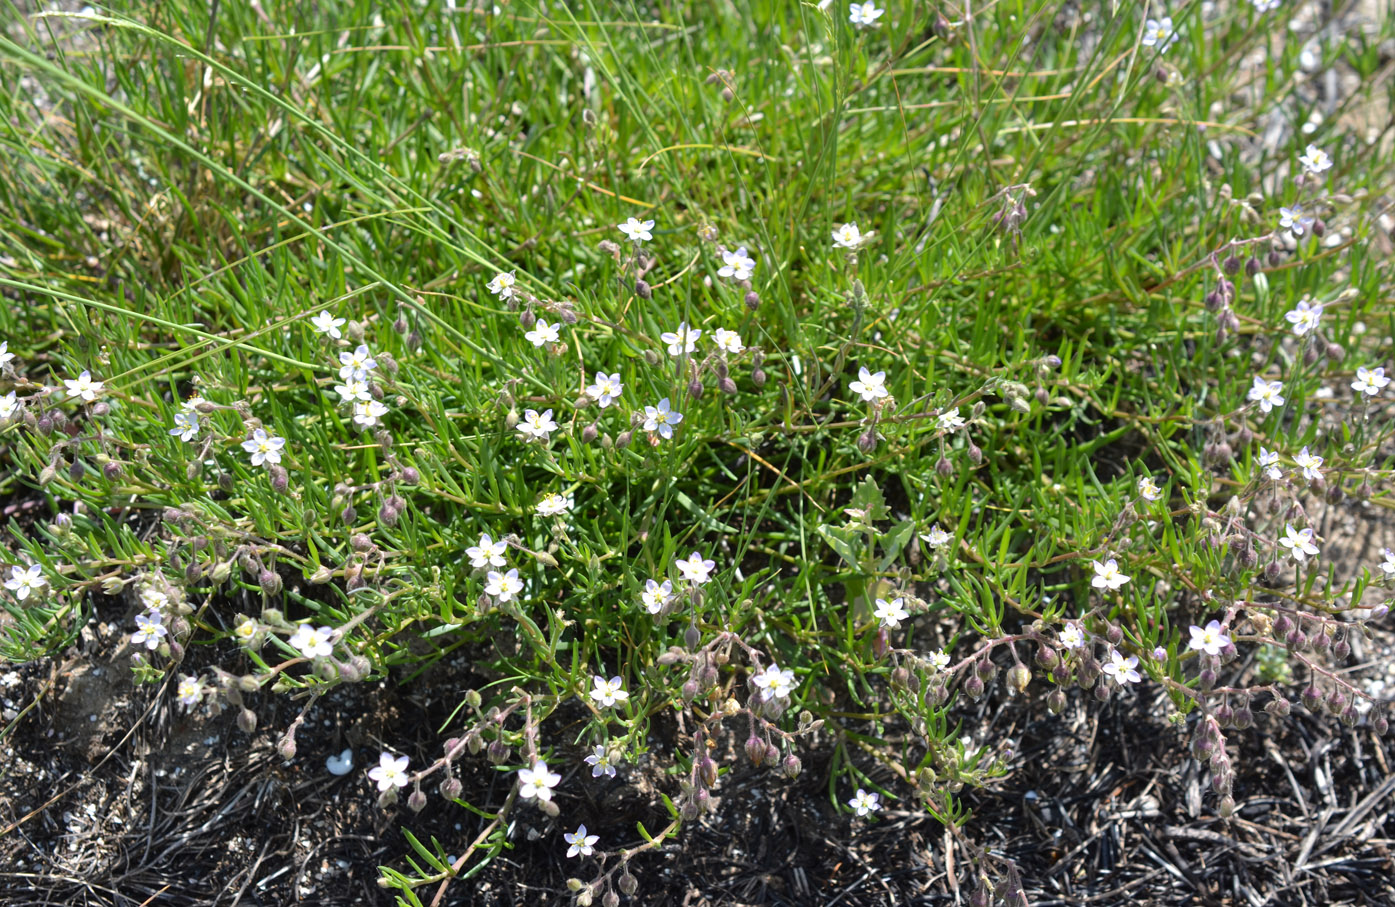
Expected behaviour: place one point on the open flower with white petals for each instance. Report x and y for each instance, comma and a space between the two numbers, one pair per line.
502, 285
869, 385
150, 630
264, 448
189, 691
313, 642
1387, 566
1310, 463
536, 425
728, 341
774, 683
1148, 489
1369, 381
26, 581
949, 420
600, 762
1268, 394
537, 782
736, 265
1159, 33
608, 692
503, 586
696, 569
554, 504
84, 387
939, 660
356, 364
606, 390
368, 412
186, 426
661, 419
1123, 670
326, 323
1299, 543
1210, 639
9, 405
636, 230
6, 357
936, 538
390, 771
1268, 462
1315, 160
848, 236
352, 390
544, 333
890, 613
1304, 317
1072, 636
488, 553
682, 341
581, 843
1296, 220
1107, 575
864, 803
656, 595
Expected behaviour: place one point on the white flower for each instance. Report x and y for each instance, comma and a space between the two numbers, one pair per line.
543, 333
326, 323
1122, 669
890, 613
848, 236
1269, 394
1299, 543
553, 504
1159, 32
8, 405
949, 420
1304, 317
637, 231
154, 599
352, 390
1309, 463
537, 781
356, 364
773, 683
5, 355
728, 341
1266, 6
83, 386
488, 553
656, 595
1369, 381
1072, 636
1387, 566
264, 448
368, 412
24, 581
1210, 640
313, 642
341, 764
1314, 159
936, 538
150, 630
865, 803
608, 692
1295, 219
503, 586
1269, 462
736, 265
1148, 489
537, 426
661, 419
1107, 575
695, 569
192, 404
186, 426
869, 385
580, 841
606, 390
502, 284
246, 631
189, 691
600, 763
681, 341
389, 772
940, 659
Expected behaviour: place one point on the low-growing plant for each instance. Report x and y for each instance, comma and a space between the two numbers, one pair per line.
727, 383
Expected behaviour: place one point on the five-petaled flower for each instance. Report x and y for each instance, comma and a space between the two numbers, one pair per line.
936, 538
1310, 463
1072, 636
606, 390
848, 236
696, 569
728, 341
661, 419
503, 586
1314, 159
636, 230
502, 285
774, 683
390, 771
537, 425
1295, 219
356, 364
600, 763
869, 385
313, 642
5, 355
326, 323
352, 390
1210, 639
1268, 461
1299, 542
543, 333
949, 420
865, 803
581, 843
939, 659
368, 412
8, 405
1387, 566
1107, 575
189, 691
890, 613
83, 386
265, 449
1268, 394
864, 15
150, 630
488, 553
1159, 32
537, 781
1369, 381
186, 426
1122, 669
608, 692
1304, 317
736, 265
553, 504
682, 341
1148, 489
656, 595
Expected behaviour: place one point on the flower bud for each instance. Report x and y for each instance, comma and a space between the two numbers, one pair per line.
610, 899
1311, 698
387, 515
270, 583
1206, 679
416, 801
623, 439
689, 691
643, 290
752, 300
792, 766
247, 721
1231, 265
497, 752
973, 687
75, 470
1278, 707
348, 515
111, 470
628, 884
1380, 725
280, 479
1056, 702
526, 319
944, 467
695, 388
726, 385
590, 433
285, 747
1114, 633
451, 788
692, 636
321, 576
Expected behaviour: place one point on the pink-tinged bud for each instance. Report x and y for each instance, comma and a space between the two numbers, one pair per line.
1231, 265
1279, 708
792, 766
881, 644
695, 389
692, 636
416, 802
758, 376
689, 811
1282, 626
867, 441
269, 582
451, 788
689, 691
752, 300
1206, 679
1115, 634
348, 516
1380, 725
1213, 301
975, 454
623, 439
410, 476
1311, 698
1275, 259
1224, 714
1336, 701
643, 290
590, 433
772, 754
973, 687
1243, 718
1102, 691
387, 515
944, 467
702, 799
707, 770
497, 752
1349, 716
610, 899
1047, 657
1251, 266
1056, 702
1319, 227
755, 749
526, 319
280, 479
1335, 352
726, 385
900, 677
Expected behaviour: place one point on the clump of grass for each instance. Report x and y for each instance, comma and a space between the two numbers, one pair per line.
792, 374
